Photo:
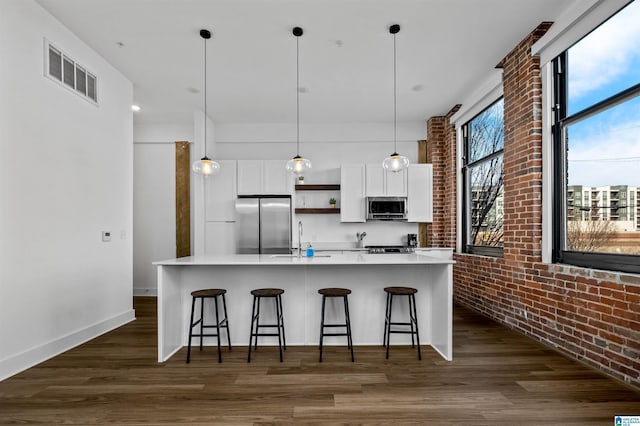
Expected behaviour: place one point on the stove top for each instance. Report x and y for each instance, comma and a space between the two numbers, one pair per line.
390, 249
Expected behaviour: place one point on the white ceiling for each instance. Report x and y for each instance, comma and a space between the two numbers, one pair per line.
445, 49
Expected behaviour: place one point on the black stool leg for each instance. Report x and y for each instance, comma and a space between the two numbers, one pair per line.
412, 298
215, 302
279, 320
389, 324
253, 318
322, 325
193, 306
348, 323
255, 347
226, 321
201, 320
386, 322
411, 319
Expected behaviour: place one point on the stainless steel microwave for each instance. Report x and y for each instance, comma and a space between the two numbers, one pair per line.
387, 208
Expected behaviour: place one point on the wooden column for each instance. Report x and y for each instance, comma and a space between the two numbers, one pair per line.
183, 204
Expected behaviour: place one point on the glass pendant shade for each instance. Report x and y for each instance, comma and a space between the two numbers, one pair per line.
298, 165
395, 162
205, 167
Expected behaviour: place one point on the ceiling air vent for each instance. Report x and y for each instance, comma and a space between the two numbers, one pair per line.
62, 69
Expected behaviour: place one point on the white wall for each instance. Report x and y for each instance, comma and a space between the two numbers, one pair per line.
65, 176
154, 224
154, 206
327, 146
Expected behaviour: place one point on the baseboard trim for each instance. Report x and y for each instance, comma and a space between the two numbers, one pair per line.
145, 292
29, 358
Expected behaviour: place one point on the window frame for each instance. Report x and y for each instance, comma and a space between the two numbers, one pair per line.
466, 190
606, 261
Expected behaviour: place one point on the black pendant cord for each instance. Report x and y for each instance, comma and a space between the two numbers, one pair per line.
205, 98
395, 119
297, 97
205, 34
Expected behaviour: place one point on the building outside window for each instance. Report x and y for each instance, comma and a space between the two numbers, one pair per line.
483, 181
597, 147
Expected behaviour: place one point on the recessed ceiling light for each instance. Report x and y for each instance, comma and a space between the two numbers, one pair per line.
135, 108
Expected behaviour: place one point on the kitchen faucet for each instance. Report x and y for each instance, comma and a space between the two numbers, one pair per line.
360, 236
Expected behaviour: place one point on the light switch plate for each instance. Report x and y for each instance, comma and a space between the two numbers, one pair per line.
106, 236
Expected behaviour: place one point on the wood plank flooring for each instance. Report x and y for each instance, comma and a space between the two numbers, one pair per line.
497, 377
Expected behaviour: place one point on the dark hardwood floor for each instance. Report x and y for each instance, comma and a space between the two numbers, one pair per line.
498, 377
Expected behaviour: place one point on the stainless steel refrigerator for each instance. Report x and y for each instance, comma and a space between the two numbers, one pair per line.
263, 225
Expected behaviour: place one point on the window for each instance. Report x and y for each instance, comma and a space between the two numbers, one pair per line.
483, 181
64, 70
597, 146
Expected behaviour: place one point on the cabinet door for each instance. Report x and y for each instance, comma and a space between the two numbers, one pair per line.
396, 183
276, 178
420, 193
220, 238
352, 193
220, 193
375, 180
250, 174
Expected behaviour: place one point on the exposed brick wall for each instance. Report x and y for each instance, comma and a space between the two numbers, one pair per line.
591, 315
441, 152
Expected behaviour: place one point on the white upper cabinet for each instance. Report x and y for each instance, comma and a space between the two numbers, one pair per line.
420, 193
250, 177
220, 193
382, 182
352, 193
261, 177
276, 178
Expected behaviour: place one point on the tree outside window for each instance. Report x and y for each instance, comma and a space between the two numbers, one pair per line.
483, 178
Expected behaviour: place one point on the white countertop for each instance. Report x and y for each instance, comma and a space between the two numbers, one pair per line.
319, 259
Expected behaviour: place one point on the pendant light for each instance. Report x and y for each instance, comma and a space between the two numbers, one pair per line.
395, 162
205, 166
298, 164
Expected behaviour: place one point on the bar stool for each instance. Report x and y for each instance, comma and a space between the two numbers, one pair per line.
276, 295
336, 292
413, 317
202, 295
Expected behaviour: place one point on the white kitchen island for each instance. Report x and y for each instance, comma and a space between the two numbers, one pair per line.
365, 274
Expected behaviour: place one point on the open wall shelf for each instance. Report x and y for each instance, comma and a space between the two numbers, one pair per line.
330, 210
318, 187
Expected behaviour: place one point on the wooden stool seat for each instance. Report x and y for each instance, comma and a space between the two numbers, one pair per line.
258, 294
334, 292
401, 327
400, 291
202, 295
346, 325
267, 292
212, 292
